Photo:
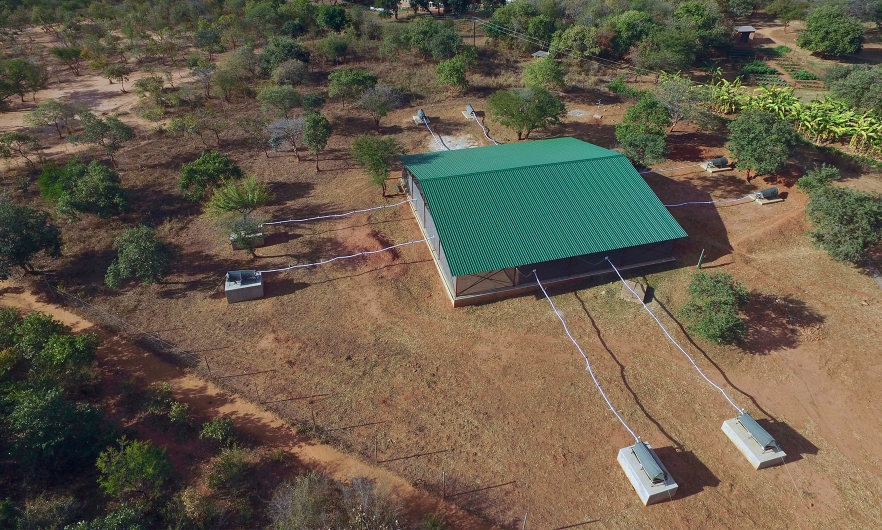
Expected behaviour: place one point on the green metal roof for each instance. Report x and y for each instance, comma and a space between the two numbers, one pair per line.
516, 204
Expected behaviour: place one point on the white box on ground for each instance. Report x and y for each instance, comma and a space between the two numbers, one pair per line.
758, 456
243, 285
649, 492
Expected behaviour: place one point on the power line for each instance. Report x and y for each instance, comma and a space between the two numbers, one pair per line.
332, 216
674, 341
365, 253
587, 362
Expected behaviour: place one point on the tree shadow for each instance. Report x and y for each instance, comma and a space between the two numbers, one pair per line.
778, 322
687, 146
712, 362
690, 473
597, 133
192, 266
86, 268
623, 376
290, 191
158, 205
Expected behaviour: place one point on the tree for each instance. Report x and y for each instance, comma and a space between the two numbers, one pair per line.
452, 72
680, 97
117, 71
333, 48
229, 81
712, 311
760, 141
349, 83
831, 32
858, 85
787, 10
136, 468
204, 73
20, 76
431, 38
278, 50
150, 88
108, 133
65, 361
333, 18
139, 255
77, 188
846, 222
378, 101
390, 6
243, 197
208, 38
577, 42
291, 72
526, 109
24, 233
69, 55
290, 130
377, 155
207, 171
642, 131
544, 73
316, 131
19, 144
52, 112
279, 99
48, 432
629, 28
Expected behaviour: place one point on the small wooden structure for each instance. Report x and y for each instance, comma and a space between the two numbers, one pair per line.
744, 33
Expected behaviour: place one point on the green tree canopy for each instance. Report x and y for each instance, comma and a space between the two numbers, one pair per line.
108, 133
242, 197
72, 56
680, 97
316, 132
642, 131
76, 188
526, 109
761, 141
845, 222
18, 144
207, 171
333, 18
858, 85
279, 100
712, 311
544, 73
52, 112
830, 31
577, 43
432, 38
349, 83
452, 73
377, 155
281, 49
137, 470
139, 255
24, 233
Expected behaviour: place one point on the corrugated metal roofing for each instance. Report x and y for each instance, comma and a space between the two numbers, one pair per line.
516, 204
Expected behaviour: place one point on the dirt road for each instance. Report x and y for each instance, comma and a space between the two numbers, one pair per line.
208, 400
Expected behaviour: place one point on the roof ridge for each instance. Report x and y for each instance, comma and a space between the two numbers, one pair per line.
547, 164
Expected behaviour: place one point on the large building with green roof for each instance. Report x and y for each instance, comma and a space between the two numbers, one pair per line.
492, 215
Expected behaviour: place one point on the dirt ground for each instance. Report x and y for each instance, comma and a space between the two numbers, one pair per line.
495, 397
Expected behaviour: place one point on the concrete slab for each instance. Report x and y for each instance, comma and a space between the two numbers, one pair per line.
243, 285
640, 289
755, 454
649, 492
768, 201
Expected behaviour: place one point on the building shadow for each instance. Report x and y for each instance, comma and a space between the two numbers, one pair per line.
276, 286
778, 322
702, 222
690, 473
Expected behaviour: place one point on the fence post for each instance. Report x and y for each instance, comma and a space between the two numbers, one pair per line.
443, 486
205, 358
524, 526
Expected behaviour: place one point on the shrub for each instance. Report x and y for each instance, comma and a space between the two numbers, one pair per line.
219, 430
804, 75
206, 172
159, 398
759, 68
137, 468
179, 415
76, 188
712, 311
229, 470
139, 255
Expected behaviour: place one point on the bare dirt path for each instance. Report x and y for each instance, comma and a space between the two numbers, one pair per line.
208, 400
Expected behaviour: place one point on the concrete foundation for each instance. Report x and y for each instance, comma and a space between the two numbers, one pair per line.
649, 492
752, 451
638, 288
243, 285
257, 241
